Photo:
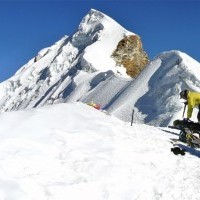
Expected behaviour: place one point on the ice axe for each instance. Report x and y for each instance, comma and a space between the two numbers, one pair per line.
132, 116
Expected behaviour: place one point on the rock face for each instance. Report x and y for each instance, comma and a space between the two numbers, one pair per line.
130, 54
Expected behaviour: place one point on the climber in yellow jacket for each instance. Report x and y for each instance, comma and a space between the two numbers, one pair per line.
193, 100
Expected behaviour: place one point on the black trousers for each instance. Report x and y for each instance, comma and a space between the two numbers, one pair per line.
198, 115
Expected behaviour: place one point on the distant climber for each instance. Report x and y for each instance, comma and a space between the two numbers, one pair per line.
192, 100
178, 62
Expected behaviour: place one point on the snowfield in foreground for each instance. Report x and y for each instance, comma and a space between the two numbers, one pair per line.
75, 152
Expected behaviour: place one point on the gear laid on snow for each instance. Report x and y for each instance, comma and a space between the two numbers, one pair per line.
94, 105
189, 132
177, 151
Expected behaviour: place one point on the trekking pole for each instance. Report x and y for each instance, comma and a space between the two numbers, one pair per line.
132, 117
184, 109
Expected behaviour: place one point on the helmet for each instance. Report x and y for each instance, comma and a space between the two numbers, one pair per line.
176, 122
183, 94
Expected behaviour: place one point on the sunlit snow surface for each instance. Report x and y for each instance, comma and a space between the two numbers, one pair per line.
73, 151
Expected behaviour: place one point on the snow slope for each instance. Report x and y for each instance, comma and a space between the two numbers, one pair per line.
73, 151
80, 68
154, 95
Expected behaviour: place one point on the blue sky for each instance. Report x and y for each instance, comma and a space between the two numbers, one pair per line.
29, 26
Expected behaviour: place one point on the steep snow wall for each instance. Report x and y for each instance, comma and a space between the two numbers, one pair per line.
154, 95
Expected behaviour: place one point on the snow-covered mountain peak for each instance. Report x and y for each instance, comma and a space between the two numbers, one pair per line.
98, 35
80, 68
96, 19
71, 67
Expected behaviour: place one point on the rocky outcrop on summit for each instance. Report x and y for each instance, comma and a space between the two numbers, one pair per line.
130, 54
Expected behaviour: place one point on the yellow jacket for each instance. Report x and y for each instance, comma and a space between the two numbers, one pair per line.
193, 100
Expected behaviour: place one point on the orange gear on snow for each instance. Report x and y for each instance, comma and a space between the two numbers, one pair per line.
94, 105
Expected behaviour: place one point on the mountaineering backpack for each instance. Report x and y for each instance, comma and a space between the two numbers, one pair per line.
189, 132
